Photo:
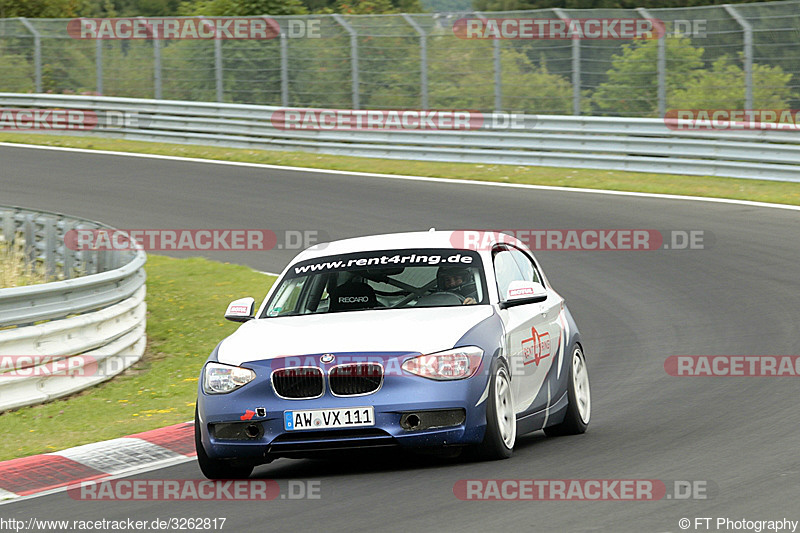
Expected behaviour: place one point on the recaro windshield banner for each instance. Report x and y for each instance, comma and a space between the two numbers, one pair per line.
382, 259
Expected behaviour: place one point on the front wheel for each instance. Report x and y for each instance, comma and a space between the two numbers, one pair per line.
218, 468
501, 420
579, 408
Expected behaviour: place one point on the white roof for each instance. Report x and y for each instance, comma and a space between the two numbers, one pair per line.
399, 241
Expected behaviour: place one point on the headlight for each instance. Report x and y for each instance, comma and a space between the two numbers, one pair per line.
459, 363
219, 378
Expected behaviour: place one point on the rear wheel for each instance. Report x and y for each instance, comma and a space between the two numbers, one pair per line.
501, 420
218, 468
579, 409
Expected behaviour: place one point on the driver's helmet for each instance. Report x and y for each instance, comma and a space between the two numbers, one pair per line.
446, 272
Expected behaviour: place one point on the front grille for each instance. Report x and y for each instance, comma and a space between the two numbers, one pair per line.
355, 379
297, 383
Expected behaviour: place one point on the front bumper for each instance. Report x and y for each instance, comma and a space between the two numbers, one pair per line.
249, 422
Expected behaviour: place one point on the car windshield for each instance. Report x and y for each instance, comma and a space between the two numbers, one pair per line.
384, 279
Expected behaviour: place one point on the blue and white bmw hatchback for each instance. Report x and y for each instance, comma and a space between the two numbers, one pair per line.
430, 339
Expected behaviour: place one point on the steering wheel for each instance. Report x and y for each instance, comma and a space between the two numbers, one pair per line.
415, 293
458, 295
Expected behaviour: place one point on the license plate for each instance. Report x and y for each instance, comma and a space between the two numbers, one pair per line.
328, 418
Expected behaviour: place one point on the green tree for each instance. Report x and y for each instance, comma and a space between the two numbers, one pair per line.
370, 7
39, 8
16, 72
241, 8
512, 5
461, 76
632, 86
723, 86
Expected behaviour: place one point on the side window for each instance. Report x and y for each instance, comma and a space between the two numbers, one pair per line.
506, 271
525, 265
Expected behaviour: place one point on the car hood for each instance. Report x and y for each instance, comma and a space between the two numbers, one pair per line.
425, 330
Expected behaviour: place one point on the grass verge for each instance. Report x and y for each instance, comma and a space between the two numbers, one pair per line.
15, 271
708, 186
186, 299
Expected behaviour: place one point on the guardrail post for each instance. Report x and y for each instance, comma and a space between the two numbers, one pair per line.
49, 249
98, 65
748, 54
661, 65
37, 53
576, 64
353, 58
9, 230
100, 264
30, 240
69, 254
423, 59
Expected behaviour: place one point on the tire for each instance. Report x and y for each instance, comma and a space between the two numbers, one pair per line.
579, 407
501, 421
218, 468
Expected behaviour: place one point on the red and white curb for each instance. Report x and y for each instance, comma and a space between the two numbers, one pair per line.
53, 472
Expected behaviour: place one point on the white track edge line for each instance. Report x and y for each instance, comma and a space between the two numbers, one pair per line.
410, 178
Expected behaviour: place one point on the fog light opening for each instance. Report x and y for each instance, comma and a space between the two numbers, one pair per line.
411, 421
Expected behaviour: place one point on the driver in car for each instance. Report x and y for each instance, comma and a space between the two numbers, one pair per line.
457, 280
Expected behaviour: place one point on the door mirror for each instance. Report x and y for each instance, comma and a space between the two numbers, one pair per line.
241, 310
524, 292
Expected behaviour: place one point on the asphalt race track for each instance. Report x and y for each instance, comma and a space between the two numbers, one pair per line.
635, 309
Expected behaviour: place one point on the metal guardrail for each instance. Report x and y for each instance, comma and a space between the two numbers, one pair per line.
634, 144
92, 323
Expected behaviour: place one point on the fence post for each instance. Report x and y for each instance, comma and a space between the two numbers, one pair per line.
748, 54
576, 64
661, 65
98, 65
37, 53
497, 67
156, 64
423, 57
217, 63
284, 51
218, 69
284, 69
353, 58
